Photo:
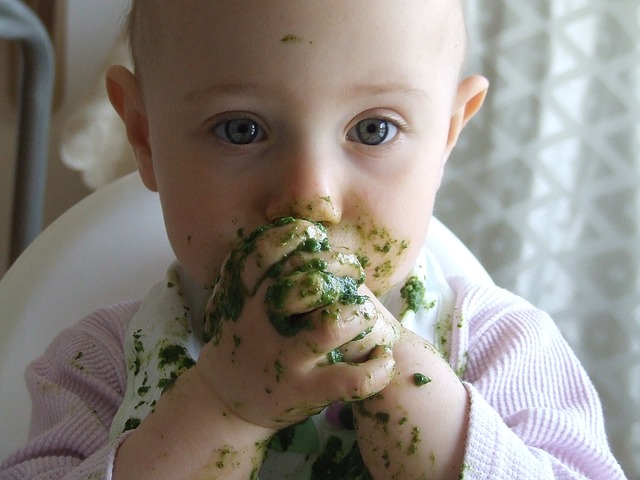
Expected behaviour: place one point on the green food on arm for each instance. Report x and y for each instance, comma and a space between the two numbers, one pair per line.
420, 379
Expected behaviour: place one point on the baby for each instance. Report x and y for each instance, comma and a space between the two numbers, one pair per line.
304, 332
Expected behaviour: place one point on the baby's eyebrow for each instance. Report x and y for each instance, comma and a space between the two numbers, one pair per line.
224, 89
359, 89
386, 88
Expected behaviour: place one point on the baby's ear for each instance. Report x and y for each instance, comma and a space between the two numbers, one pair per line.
469, 98
125, 96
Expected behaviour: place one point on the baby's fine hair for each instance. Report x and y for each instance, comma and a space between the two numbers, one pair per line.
133, 28
144, 19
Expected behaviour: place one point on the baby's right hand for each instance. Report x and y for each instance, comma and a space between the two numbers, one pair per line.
284, 304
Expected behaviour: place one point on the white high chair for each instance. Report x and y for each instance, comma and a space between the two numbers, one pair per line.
109, 248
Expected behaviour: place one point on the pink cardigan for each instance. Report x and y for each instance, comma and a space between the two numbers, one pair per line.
534, 414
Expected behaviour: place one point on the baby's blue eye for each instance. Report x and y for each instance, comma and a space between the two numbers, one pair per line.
373, 131
239, 131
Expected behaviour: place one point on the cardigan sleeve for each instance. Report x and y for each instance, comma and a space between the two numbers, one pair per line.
534, 413
76, 387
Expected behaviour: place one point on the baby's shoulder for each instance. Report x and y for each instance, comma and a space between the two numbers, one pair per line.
109, 321
101, 333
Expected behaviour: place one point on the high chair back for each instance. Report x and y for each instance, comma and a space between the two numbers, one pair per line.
19, 23
110, 247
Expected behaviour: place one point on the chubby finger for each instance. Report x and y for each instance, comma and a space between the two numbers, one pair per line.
357, 381
331, 325
312, 280
337, 325
267, 247
248, 262
338, 261
361, 346
302, 292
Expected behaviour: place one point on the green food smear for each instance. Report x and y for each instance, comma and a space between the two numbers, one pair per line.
415, 440
335, 356
317, 284
176, 356
290, 38
299, 438
323, 286
333, 464
420, 379
132, 424
413, 294
231, 292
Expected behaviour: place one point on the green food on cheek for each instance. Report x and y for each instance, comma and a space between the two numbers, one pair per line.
380, 252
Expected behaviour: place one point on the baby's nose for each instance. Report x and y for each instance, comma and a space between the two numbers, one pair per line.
308, 182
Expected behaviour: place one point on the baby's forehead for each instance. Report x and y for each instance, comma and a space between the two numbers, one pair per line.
152, 24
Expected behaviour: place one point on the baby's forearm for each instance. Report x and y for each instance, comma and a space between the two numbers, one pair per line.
190, 435
416, 427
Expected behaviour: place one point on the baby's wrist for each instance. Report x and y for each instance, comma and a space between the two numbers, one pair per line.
191, 432
210, 400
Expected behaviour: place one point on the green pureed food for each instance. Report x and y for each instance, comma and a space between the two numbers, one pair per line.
310, 285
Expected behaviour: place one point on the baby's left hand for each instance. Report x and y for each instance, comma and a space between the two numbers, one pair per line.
416, 426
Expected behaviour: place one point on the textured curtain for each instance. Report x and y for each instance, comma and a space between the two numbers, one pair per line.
545, 184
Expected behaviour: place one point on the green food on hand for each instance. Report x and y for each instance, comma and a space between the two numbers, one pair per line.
312, 284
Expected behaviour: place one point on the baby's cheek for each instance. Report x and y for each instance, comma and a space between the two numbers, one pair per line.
383, 276
201, 259
384, 245
385, 263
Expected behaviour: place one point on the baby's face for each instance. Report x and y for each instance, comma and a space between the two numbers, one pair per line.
332, 111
